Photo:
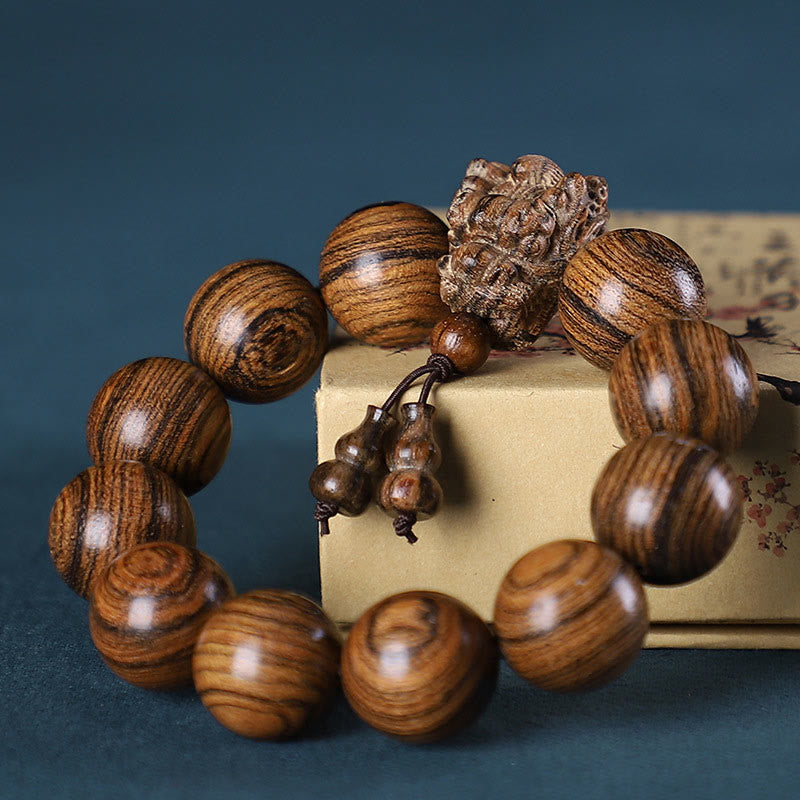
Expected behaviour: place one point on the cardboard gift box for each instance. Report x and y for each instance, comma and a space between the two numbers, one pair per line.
524, 440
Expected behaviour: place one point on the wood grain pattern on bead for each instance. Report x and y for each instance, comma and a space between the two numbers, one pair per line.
621, 282
163, 412
147, 608
419, 666
258, 328
570, 615
670, 506
266, 663
410, 489
346, 481
107, 509
513, 228
378, 273
687, 377
464, 339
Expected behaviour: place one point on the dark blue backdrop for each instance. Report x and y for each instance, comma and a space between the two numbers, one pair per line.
146, 144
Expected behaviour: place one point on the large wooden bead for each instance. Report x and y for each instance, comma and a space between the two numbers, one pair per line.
164, 412
570, 615
621, 282
688, 377
464, 339
419, 666
266, 663
378, 273
108, 509
670, 506
258, 328
146, 611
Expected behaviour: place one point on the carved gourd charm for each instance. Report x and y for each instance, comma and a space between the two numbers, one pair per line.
344, 485
410, 491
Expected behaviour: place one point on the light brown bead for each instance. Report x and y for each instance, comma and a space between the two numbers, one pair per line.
267, 663
163, 412
108, 509
147, 608
668, 505
464, 339
419, 666
570, 615
258, 328
378, 273
687, 377
621, 282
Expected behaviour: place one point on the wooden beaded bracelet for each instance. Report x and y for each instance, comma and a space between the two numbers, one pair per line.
570, 615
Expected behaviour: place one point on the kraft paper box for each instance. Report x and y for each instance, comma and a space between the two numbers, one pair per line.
524, 440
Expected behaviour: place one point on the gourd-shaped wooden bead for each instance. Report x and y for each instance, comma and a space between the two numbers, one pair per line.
464, 339
166, 413
419, 666
266, 663
670, 506
147, 608
570, 615
258, 328
108, 509
410, 487
346, 481
621, 282
378, 274
688, 377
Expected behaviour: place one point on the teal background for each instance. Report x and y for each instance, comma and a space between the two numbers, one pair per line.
145, 144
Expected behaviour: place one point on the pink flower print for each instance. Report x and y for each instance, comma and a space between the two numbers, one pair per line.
779, 549
759, 514
763, 541
744, 483
759, 468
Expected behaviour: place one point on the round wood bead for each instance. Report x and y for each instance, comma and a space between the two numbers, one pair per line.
419, 666
266, 663
621, 282
147, 608
688, 377
670, 506
258, 328
570, 615
464, 339
108, 509
164, 412
378, 273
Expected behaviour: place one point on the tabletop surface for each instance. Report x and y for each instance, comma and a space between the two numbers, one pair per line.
145, 145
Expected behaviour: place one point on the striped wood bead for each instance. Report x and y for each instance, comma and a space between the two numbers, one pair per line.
419, 666
266, 663
258, 328
621, 282
570, 615
108, 509
378, 273
668, 505
688, 377
164, 412
146, 611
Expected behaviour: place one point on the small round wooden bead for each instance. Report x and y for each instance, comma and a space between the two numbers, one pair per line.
107, 509
378, 273
419, 666
670, 506
258, 328
164, 412
464, 339
621, 282
688, 377
266, 663
147, 608
570, 615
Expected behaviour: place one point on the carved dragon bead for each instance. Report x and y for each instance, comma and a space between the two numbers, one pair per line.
512, 230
